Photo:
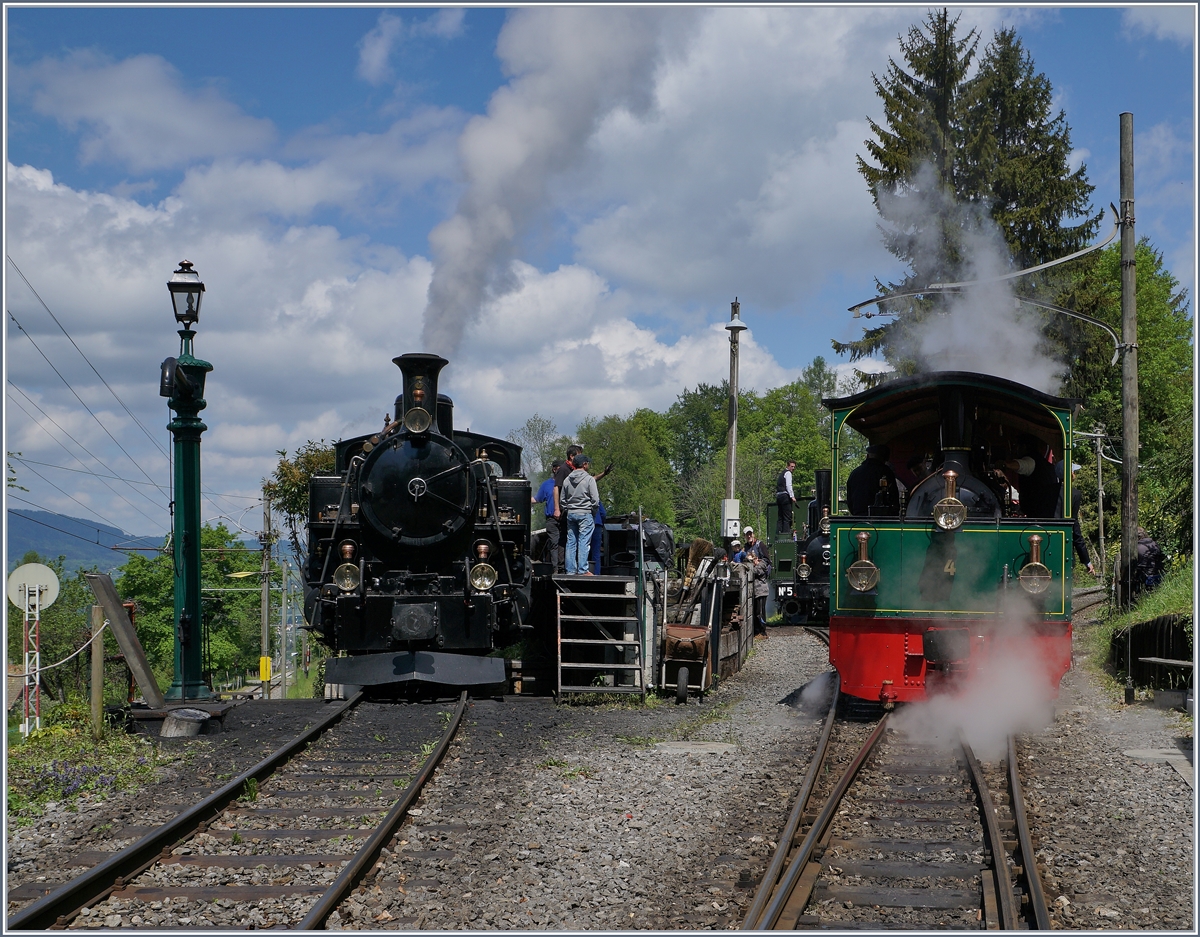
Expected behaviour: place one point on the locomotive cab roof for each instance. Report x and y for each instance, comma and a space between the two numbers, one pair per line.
911, 407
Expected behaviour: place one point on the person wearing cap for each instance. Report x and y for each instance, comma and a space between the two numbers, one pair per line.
579, 499
545, 495
1081, 547
864, 484
756, 555
1035, 478
736, 553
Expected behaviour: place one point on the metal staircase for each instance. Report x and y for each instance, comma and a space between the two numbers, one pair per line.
599, 635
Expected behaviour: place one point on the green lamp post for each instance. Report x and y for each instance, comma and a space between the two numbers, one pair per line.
182, 382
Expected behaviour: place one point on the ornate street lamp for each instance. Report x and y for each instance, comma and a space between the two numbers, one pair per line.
182, 382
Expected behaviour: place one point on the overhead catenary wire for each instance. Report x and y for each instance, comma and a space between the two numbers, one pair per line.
51, 526
129, 481
84, 448
86, 507
132, 416
77, 397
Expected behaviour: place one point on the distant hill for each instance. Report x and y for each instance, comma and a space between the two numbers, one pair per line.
51, 536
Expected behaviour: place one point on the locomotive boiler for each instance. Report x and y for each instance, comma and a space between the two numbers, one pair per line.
924, 594
418, 562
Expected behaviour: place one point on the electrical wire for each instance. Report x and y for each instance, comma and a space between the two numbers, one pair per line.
52, 527
77, 397
128, 481
86, 645
84, 448
86, 507
85, 357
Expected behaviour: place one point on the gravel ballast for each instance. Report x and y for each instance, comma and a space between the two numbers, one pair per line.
555, 816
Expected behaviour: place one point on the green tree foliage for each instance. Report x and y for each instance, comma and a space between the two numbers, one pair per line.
540, 443
10, 478
234, 618
1017, 157
641, 474
959, 155
1165, 379
288, 485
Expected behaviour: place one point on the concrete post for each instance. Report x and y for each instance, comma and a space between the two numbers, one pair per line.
97, 689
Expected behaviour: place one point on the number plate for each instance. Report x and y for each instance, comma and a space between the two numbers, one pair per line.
784, 590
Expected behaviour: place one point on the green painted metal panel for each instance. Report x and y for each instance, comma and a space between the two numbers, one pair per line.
926, 572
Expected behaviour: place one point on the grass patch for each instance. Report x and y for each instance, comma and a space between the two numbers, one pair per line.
63, 761
1173, 597
718, 712
305, 684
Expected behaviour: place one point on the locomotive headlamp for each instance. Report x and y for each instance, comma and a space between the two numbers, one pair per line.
824, 525
862, 574
803, 571
949, 513
483, 577
417, 420
1034, 576
347, 577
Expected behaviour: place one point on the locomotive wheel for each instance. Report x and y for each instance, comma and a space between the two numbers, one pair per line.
681, 685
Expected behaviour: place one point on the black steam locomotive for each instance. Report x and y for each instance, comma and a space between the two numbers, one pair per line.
808, 602
418, 562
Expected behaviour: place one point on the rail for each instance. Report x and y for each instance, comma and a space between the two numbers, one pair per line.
775, 869
131, 861
366, 857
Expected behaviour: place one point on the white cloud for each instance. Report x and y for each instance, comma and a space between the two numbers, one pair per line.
564, 343
375, 48
1174, 22
136, 111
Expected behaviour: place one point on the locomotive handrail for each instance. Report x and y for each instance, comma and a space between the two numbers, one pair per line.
338, 519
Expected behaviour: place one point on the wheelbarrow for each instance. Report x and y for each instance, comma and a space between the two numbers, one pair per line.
685, 660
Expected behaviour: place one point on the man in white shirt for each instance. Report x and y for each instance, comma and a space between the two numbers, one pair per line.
785, 498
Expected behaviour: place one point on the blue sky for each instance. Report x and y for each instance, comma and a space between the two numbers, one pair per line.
562, 201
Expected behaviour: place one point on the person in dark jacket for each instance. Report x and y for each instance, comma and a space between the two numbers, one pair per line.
1036, 480
864, 484
755, 554
1150, 561
1081, 547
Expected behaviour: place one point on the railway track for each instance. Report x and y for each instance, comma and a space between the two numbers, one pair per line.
890, 834
282, 844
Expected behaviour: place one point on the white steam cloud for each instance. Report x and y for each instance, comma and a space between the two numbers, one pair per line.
983, 328
570, 68
1011, 690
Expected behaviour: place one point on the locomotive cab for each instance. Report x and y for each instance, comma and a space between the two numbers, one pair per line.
921, 594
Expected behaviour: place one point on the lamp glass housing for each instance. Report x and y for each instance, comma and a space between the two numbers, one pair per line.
483, 577
347, 577
187, 291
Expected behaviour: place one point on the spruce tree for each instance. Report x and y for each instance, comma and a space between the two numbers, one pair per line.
958, 154
1017, 157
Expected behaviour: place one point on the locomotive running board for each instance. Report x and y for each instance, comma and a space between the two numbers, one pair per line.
434, 667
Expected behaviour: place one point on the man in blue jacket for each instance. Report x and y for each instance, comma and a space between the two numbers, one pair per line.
545, 495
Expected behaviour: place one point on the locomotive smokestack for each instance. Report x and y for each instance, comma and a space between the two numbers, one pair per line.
418, 404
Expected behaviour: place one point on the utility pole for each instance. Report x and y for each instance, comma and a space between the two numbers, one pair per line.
730, 509
1099, 430
1129, 390
264, 660
283, 629
97, 688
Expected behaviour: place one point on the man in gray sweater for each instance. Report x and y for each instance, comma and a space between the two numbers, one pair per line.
579, 499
